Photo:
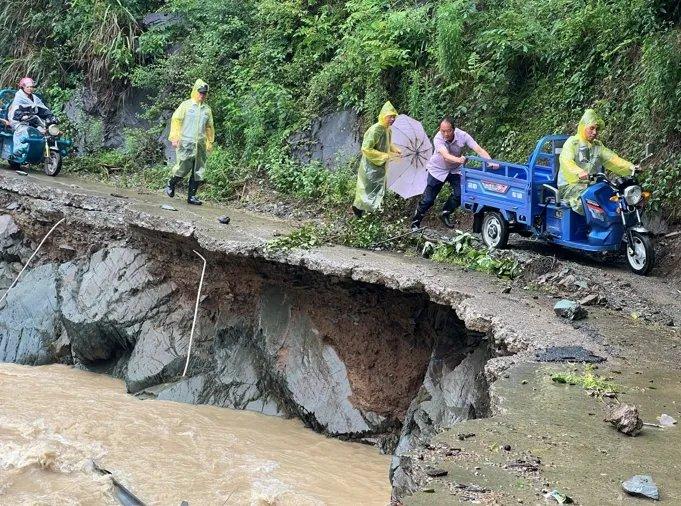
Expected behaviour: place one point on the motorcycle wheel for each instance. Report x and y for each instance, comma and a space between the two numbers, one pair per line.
640, 254
494, 230
52, 164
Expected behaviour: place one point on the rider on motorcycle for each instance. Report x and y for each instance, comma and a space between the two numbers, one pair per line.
26, 111
583, 155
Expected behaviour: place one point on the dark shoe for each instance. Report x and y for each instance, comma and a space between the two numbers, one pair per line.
446, 218
170, 187
191, 193
358, 212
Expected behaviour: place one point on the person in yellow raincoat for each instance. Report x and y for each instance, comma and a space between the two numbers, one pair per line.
584, 155
192, 135
377, 149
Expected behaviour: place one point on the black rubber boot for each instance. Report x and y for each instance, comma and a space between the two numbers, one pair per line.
170, 187
191, 193
416, 221
446, 218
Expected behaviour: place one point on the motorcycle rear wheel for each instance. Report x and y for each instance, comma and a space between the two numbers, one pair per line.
52, 164
640, 254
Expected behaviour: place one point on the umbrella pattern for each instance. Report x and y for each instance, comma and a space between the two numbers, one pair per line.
407, 175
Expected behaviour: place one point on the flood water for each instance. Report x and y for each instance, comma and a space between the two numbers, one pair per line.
56, 420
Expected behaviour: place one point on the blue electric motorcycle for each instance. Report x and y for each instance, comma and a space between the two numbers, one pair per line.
524, 199
46, 146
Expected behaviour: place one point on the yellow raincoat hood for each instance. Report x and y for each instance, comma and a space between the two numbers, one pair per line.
589, 118
386, 110
195, 90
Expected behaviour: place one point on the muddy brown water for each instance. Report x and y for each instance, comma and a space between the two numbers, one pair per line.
55, 420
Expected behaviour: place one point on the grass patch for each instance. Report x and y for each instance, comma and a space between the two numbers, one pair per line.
463, 250
588, 380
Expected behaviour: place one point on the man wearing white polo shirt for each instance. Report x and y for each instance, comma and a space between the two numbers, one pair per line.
443, 167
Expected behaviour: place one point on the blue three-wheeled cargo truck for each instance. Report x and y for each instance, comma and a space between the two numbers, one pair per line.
524, 199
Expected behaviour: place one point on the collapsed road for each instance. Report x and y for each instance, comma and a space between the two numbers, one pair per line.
432, 363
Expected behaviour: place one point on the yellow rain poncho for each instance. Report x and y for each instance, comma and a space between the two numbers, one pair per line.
192, 126
579, 156
376, 151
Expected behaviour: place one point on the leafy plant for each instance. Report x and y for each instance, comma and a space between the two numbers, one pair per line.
306, 237
588, 380
462, 250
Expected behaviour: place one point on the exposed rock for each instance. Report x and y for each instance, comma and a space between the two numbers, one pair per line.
625, 419
454, 389
158, 20
332, 139
30, 323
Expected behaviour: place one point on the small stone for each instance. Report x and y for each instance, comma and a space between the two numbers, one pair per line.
507, 448
641, 485
428, 490
434, 472
569, 309
666, 420
625, 419
589, 300
224, 219
507, 289
523, 382
168, 207
22, 173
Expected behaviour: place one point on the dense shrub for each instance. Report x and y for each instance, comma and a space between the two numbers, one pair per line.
508, 71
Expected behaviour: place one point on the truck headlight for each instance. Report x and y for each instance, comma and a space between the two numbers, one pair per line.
53, 130
633, 195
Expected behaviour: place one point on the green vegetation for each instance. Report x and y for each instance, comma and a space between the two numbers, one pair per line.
368, 232
588, 380
462, 250
508, 71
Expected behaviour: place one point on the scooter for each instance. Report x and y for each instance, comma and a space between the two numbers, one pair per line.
613, 214
46, 145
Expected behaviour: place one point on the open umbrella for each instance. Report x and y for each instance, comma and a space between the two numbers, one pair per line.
407, 175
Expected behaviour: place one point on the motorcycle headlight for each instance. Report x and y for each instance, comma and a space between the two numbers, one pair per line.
53, 130
633, 195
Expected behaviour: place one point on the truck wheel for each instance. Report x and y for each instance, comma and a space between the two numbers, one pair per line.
494, 230
52, 164
640, 254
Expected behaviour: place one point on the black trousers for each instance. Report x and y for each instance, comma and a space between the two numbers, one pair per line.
433, 189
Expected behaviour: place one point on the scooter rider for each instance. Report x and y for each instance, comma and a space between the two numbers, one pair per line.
582, 156
22, 114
